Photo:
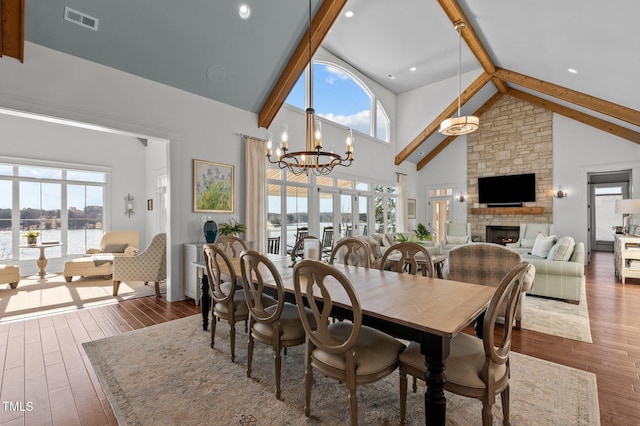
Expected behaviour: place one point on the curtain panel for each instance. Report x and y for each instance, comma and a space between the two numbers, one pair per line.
256, 193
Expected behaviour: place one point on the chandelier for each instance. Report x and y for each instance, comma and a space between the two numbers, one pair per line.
313, 158
456, 126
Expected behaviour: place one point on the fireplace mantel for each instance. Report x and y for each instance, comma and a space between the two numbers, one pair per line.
507, 210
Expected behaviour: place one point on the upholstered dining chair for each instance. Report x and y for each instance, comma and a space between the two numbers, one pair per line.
298, 248
231, 245
486, 264
476, 368
149, 266
228, 299
278, 325
346, 351
411, 255
351, 251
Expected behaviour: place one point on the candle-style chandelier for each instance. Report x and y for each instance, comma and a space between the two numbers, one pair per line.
313, 158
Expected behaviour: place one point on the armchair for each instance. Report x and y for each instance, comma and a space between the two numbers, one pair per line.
150, 265
527, 236
455, 234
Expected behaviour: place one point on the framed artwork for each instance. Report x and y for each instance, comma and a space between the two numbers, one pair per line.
213, 187
411, 208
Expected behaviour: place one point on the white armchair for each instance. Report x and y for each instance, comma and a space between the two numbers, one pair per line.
455, 234
150, 265
528, 234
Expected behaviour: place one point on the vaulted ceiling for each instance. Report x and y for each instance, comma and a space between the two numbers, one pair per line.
523, 48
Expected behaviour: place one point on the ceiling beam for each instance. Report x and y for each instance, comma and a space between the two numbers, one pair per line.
320, 26
12, 28
470, 91
455, 13
620, 112
587, 119
442, 145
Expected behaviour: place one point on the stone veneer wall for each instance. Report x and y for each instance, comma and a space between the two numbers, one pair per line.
514, 137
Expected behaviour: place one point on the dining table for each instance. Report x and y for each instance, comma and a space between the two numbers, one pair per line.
430, 311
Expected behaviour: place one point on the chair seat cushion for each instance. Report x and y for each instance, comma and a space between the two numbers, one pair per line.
464, 364
290, 324
375, 351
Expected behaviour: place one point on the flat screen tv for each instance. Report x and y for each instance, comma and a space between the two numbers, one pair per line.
509, 190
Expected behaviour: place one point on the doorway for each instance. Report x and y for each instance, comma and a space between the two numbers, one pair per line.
604, 190
440, 203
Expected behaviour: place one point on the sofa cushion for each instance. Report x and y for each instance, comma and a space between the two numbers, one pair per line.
562, 249
542, 245
115, 248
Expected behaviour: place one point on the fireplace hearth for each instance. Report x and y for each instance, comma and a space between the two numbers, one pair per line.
502, 234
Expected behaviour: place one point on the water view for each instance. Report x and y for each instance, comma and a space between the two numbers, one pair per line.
78, 240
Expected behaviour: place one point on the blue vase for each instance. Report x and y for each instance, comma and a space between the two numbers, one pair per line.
210, 231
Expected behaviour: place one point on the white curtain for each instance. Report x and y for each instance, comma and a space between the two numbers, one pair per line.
402, 219
256, 193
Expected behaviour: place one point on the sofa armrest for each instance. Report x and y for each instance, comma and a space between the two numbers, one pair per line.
513, 245
557, 267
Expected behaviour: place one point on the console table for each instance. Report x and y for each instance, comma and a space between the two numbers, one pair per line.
626, 256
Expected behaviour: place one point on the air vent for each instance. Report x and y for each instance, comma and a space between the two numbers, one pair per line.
81, 18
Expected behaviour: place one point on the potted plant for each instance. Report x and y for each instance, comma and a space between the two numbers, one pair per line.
32, 237
231, 227
422, 232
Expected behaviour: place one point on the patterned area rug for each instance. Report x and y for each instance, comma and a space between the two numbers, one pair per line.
168, 374
556, 317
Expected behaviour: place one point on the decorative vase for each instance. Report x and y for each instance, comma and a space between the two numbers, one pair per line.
32, 241
210, 231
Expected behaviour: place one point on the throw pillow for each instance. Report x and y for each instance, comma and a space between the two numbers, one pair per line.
542, 245
565, 246
115, 248
456, 240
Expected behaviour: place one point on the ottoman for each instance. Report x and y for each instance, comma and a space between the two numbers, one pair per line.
86, 267
9, 274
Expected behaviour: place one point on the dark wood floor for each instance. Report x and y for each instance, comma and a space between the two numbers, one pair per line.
43, 362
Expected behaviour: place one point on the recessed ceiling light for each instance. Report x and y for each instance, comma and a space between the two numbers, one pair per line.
244, 11
572, 71
421, 153
412, 69
391, 76
349, 14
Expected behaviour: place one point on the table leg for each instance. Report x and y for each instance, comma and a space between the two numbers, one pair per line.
42, 263
205, 301
435, 350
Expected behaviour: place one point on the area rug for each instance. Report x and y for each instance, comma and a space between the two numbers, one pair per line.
556, 317
168, 374
35, 296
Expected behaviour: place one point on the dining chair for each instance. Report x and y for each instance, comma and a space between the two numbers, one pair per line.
277, 325
273, 245
412, 257
298, 248
231, 245
229, 301
476, 368
349, 352
327, 239
351, 251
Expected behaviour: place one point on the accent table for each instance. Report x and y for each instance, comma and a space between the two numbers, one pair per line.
42, 260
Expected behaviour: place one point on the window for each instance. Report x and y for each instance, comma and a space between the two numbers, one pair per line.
341, 97
61, 204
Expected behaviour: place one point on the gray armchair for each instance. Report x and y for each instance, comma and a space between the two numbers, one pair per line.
150, 265
455, 234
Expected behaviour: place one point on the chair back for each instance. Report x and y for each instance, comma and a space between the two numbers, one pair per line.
327, 238
314, 277
298, 248
481, 263
126, 238
257, 270
508, 294
351, 251
231, 245
302, 232
411, 255
218, 263
273, 245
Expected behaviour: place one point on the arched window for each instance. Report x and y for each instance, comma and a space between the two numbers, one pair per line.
341, 97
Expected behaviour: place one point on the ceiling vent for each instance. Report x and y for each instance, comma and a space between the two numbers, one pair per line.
81, 18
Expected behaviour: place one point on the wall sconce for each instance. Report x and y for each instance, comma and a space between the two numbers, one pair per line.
460, 198
559, 193
128, 205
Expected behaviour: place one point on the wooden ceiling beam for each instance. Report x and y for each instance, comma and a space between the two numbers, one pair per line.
12, 28
581, 117
620, 112
449, 111
320, 26
455, 13
442, 145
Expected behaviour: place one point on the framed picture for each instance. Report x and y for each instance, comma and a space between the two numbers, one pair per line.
411, 208
213, 187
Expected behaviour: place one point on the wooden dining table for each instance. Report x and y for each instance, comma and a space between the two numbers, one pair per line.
427, 310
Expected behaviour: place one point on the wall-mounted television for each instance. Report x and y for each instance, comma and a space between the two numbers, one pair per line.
509, 190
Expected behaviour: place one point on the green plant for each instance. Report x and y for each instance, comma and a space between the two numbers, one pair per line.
31, 234
401, 238
422, 232
231, 227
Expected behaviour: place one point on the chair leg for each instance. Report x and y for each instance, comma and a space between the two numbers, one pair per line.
249, 354
308, 382
403, 394
415, 385
158, 295
505, 406
146, 283
353, 405
232, 337
214, 321
487, 415
518, 324
116, 286
278, 365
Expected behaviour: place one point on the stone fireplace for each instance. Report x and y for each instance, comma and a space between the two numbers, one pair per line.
502, 234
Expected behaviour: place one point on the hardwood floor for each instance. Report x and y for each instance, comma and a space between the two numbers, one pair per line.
47, 378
